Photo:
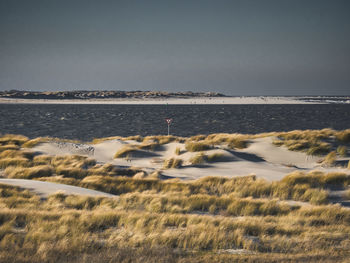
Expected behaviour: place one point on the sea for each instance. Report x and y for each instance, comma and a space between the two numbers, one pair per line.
88, 121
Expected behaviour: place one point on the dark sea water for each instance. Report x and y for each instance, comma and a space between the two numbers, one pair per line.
86, 122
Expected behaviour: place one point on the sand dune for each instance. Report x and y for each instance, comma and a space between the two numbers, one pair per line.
261, 158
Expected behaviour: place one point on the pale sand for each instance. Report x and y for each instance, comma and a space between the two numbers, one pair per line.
198, 100
45, 189
261, 158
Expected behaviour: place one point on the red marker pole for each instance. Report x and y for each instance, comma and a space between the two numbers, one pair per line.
168, 121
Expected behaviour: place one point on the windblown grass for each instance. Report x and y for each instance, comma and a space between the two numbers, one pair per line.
215, 157
192, 146
125, 151
177, 151
330, 158
18, 162
199, 158
311, 146
13, 139
100, 140
168, 227
342, 150
343, 136
29, 172
172, 163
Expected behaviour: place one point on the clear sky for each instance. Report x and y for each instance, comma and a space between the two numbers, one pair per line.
237, 47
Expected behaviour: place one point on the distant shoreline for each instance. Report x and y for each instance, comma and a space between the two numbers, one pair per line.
180, 101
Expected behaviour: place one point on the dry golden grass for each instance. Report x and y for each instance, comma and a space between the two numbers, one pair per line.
180, 228
13, 139
199, 158
172, 163
29, 172
215, 157
169, 220
100, 140
330, 159
342, 150
125, 151
193, 146
311, 146
34, 142
137, 138
177, 151
150, 146
9, 147
17, 162
343, 136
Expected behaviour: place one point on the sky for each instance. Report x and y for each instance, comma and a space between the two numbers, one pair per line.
235, 47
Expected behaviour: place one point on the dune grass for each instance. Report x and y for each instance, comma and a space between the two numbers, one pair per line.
342, 150
199, 158
169, 220
29, 172
329, 160
193, 146
343, 136
311, 146
177, 151
166, 226
172, 163
125, 151
215, 157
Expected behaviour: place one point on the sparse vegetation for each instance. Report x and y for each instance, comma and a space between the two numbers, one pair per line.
125, 151
343, 136
215, 157
157, 220
330, 158
172, 163
342, 150
192, 146
169, 226
151, 146
199, 158
177, 151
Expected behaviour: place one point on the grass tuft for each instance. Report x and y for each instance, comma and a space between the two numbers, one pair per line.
172, 163
125, 151
192, 146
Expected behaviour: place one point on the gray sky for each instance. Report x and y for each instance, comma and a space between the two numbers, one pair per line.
247, 47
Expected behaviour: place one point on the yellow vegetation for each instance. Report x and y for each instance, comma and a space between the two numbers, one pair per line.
172, 163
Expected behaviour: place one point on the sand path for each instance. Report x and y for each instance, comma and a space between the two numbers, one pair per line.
45, 189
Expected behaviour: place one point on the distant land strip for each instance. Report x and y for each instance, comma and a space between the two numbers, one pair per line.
82, 94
